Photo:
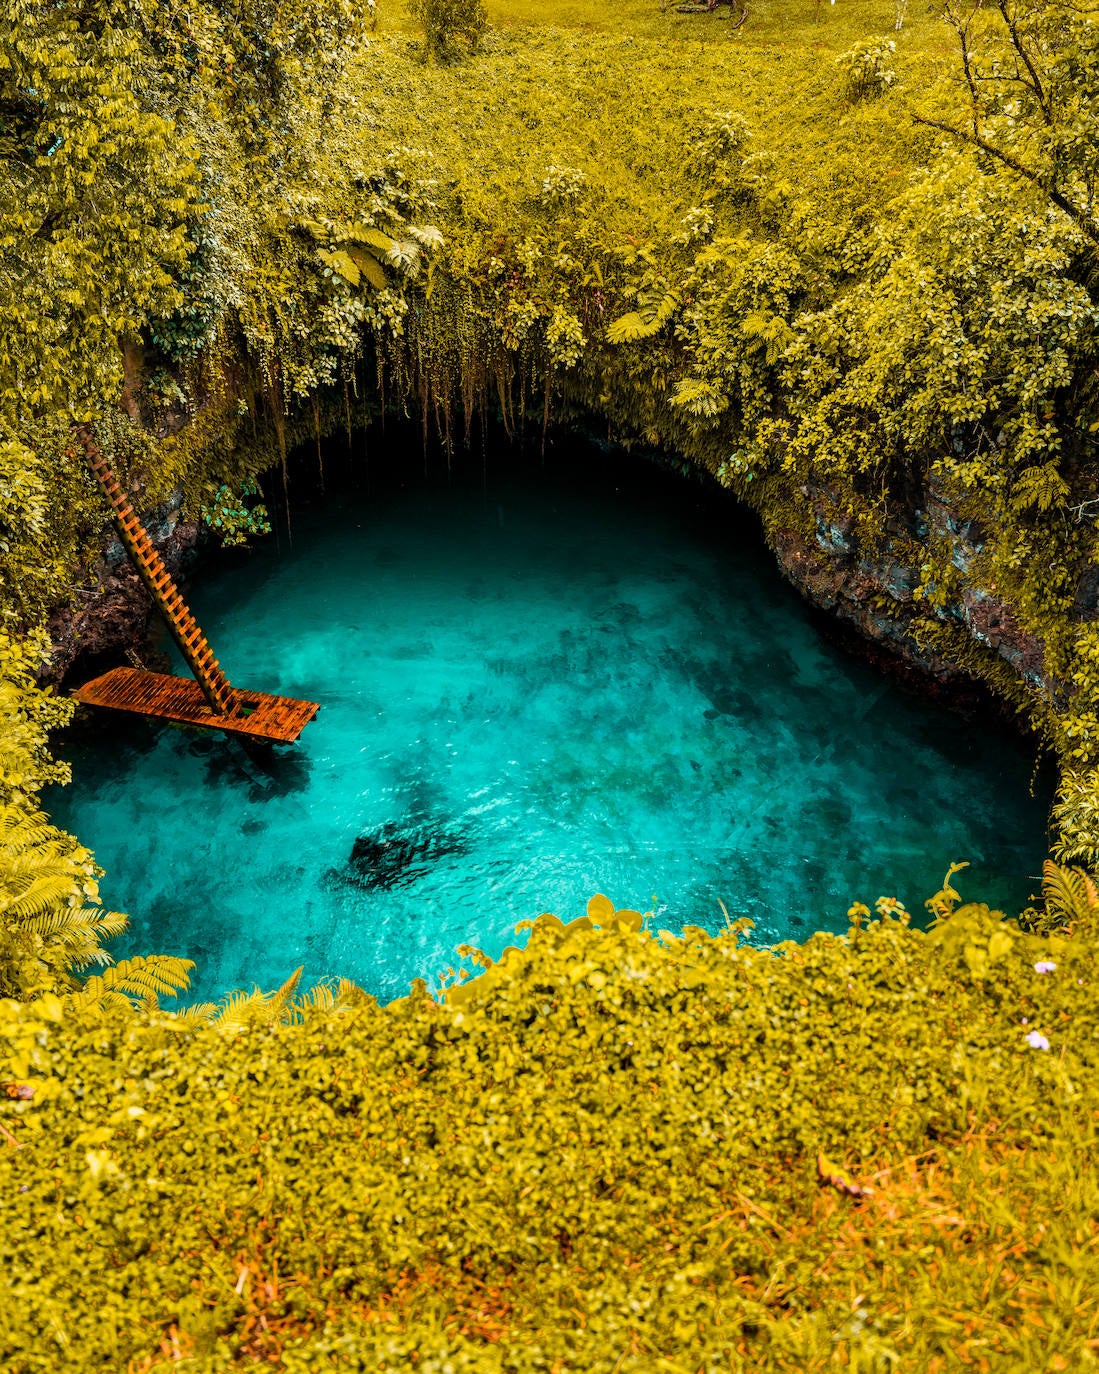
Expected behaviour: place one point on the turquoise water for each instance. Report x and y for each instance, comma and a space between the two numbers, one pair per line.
532, 691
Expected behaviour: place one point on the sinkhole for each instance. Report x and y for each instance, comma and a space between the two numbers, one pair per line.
541, 677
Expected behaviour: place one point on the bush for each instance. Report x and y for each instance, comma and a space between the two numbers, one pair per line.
608, 1152
451, 27
866, 70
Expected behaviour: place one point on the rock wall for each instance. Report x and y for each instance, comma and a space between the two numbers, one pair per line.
112, 611
874, 596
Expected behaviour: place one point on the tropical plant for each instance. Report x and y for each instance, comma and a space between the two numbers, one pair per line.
1031, 80
131, 983
49, 923
234, 521
677, 1148
452, 28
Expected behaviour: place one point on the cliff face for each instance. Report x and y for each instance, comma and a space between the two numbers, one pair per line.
112, 611
875, 596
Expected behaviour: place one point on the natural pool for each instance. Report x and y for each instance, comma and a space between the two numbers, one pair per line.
535, 688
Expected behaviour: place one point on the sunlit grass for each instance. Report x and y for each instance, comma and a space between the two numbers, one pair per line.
804, 23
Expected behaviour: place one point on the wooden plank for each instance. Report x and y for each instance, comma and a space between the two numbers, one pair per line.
181, 698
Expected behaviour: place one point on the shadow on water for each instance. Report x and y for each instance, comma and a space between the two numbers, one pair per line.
266, 771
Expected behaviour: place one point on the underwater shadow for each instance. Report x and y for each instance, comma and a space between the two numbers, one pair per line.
397, 855
267, 771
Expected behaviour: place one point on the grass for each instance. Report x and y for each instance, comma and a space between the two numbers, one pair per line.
771, 23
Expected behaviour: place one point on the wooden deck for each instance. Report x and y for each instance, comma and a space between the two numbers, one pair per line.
181, 698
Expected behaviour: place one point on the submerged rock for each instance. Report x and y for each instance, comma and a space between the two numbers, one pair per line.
398, 855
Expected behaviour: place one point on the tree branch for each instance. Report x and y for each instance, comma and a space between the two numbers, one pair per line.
1017, 44
1078, 216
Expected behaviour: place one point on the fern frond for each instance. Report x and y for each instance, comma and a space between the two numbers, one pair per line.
71, 922
142, 979
281, 999
369, 266
405, 257
1039, 488
1068, 892
241, 1010
349, 994
19, 832
428, 236
111, 923
32, 896
341, 264
373, 238
699, 398
323, 999
649, 319
235, 1004
190, 1018
771, 331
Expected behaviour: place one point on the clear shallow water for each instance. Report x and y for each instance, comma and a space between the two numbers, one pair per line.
530, 693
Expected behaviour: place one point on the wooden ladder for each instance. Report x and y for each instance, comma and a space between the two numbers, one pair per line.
185, 630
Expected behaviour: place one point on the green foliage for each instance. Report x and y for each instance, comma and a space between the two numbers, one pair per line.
133, 982
232, 519
866, 68
31, 572
655, 310
1069, 900
28, 714
98, 189
452, 28
1039, 488
851, 326
47, 927
605, 1149
1031, 81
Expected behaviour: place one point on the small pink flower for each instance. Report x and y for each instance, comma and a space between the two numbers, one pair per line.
1037, 1041
1044, 966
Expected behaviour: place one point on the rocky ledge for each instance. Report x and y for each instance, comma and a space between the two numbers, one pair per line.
112, 612
875, 598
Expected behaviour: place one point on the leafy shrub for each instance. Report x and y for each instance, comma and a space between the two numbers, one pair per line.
866, 70
718, 146
232, 519
562, 186
607, 1147
451, 27
49, 923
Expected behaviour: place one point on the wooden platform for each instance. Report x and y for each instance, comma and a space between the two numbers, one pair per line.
181, 698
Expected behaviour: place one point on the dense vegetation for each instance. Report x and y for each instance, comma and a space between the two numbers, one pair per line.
602, 1154
848, 269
